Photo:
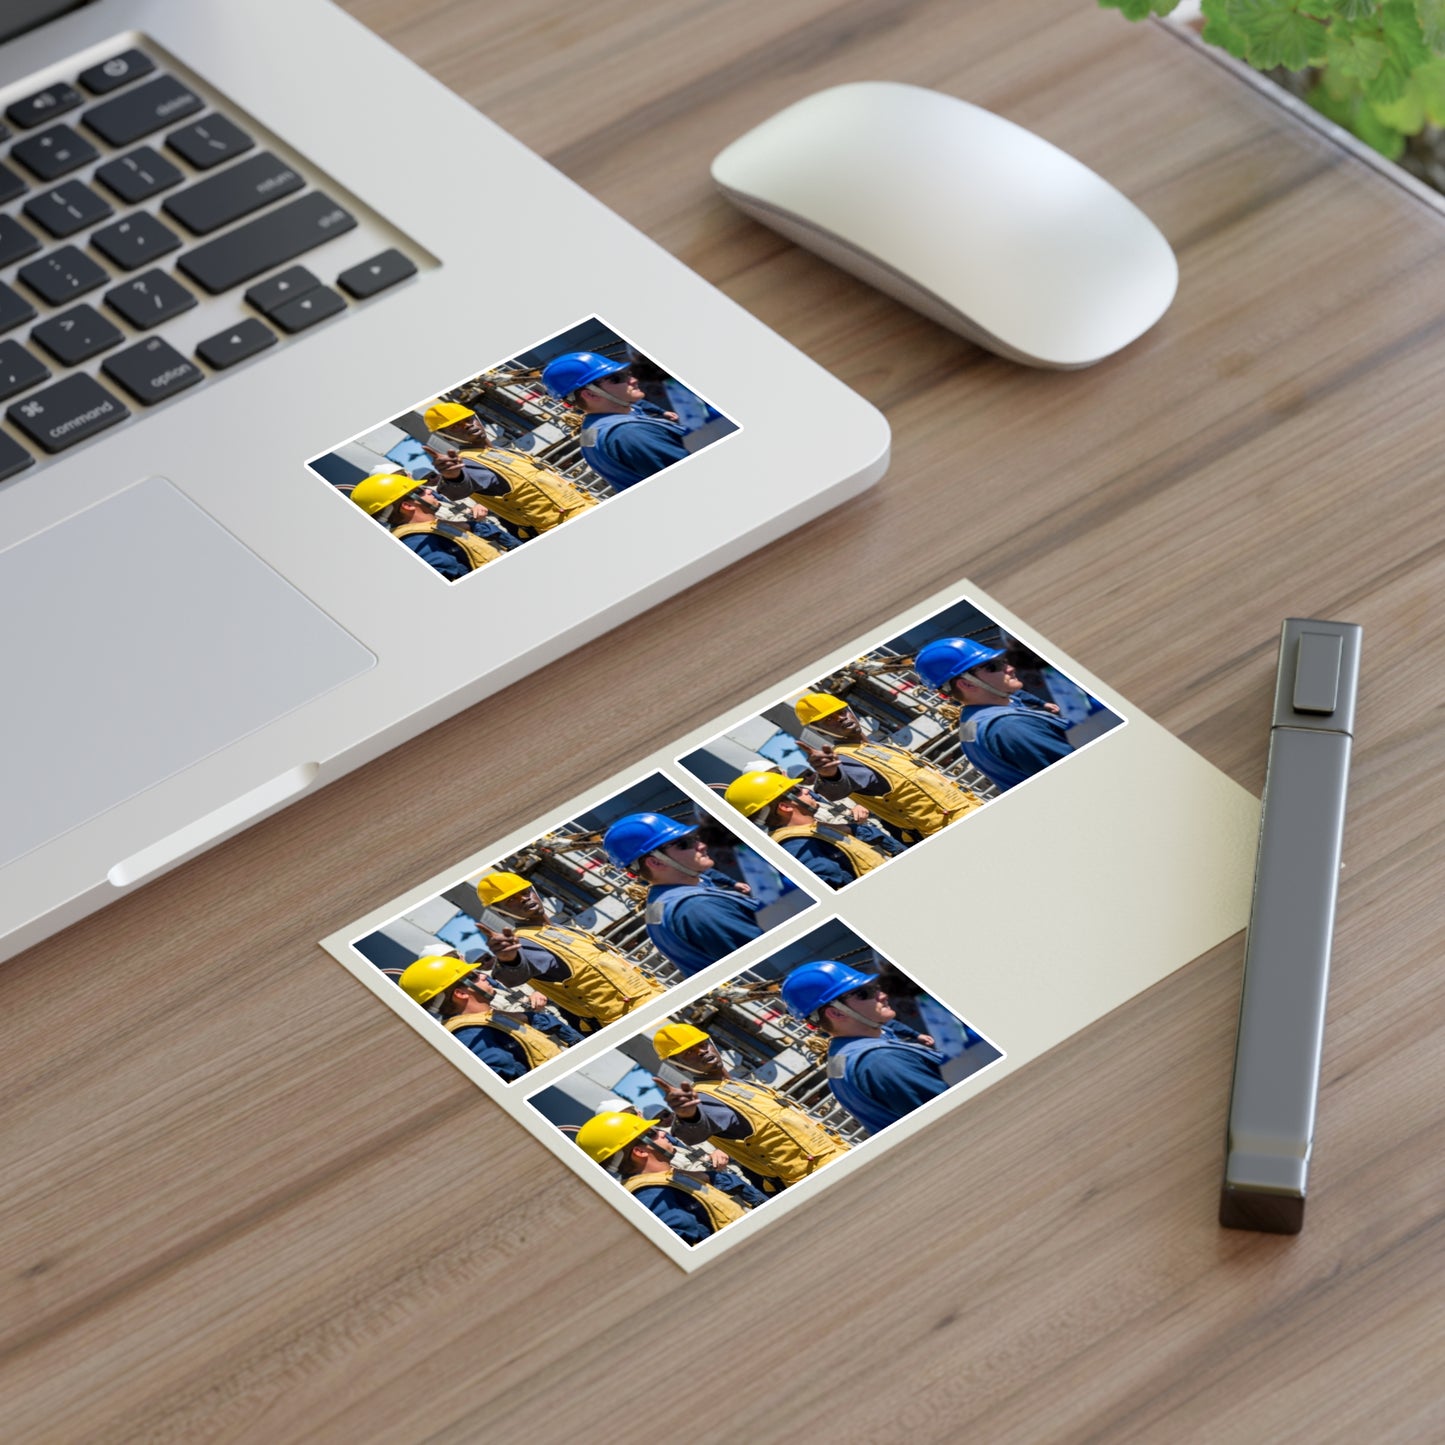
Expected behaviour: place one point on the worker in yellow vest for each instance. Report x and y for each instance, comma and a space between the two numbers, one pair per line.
914, 799
591, 981
640, 1156
531, 495
789, 812
455, 993
762, 1131
408, 508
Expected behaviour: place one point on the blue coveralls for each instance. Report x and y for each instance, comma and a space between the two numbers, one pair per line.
1011, 741
879, 1080
625, 448
444, 555
821, 858
684, 1215
693, 925
504, 1056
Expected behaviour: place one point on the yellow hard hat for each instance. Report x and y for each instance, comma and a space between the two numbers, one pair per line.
604, 1135
814, 705
756, 792
673, 1039
493, 887
374, 494
442, 414
434, 974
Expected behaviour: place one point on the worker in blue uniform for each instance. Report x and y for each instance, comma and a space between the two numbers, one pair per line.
470, 1007
625, 438
410, 510
455, 508
875, 1074
690, 923
1007, 734
694, 1205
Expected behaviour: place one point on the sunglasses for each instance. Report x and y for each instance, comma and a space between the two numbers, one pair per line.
689, 842
866, 992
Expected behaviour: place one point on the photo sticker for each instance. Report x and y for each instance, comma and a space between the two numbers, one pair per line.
482, 468
522, 959
907, 739
763, 1082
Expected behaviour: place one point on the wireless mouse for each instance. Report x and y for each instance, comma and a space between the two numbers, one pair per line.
976, 222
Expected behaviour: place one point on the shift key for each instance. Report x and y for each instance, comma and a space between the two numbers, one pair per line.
230, 194
266, 242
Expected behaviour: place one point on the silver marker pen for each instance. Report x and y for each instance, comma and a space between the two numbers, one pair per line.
1291, 925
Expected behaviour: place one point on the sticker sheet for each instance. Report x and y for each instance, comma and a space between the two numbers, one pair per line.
777, 947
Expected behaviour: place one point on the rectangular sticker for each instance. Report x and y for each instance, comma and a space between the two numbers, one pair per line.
494, 461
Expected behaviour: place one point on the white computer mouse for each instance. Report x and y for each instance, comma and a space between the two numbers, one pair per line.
970, 219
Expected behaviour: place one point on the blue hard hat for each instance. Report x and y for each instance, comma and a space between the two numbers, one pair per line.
634, 835
939, 662
811, 985
575, 369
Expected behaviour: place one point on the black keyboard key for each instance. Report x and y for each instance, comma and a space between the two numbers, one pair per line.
62, 275
53, 153
235, 344
235, 192
19, 369
14, 308
140, 111
10, 184
307, 310
70, 207
206, 143
149, 299
135, 241
376, 274
77, 335
152, 371
266, 242
15, 241
277, 290
44, 105
138, 176
13, 458
117, 71
75, 408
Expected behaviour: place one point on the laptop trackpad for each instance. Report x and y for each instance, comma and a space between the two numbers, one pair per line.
138, 638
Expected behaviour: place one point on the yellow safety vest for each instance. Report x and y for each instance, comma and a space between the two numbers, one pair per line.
478, 552
535, 1044
604, 985
541, 497
721, 1208
860, 856
784, 1145
919, 800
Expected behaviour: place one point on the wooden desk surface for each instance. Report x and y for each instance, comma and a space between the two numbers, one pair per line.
242, 1201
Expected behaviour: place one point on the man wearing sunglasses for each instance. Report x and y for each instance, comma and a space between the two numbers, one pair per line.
625, 438
691, 924
874, 1074
762, 1131
999, 733
914, 799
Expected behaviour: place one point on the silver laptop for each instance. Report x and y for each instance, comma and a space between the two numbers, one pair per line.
326, 410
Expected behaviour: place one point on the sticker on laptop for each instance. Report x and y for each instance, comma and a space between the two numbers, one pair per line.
910, 737
500, 458
518, 959
762, 1084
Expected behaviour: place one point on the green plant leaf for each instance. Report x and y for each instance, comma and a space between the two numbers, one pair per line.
1219, 29
1355, 56
1359, 119
1428, 81
1431, 17
1406, 115
1357, 9
1276, 33
1139, 9
1402, 33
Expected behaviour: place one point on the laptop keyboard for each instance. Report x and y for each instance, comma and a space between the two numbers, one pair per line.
129, 201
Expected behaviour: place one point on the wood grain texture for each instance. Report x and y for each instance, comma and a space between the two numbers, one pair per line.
241, 1201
